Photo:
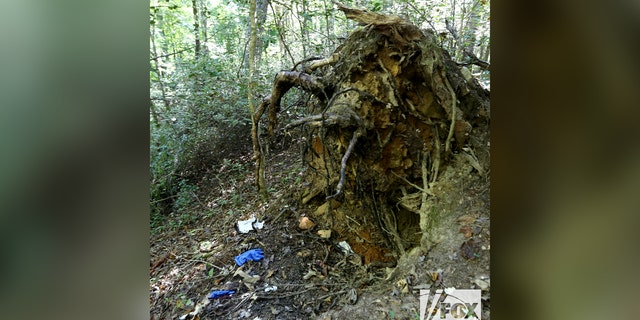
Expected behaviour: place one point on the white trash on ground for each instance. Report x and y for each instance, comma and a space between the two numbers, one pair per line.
252, 223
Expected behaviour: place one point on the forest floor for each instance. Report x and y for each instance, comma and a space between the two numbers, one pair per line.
302, 275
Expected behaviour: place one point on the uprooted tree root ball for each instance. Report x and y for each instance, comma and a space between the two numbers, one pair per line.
391, 111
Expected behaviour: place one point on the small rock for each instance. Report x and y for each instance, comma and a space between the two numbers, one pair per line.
326, 234
306, 223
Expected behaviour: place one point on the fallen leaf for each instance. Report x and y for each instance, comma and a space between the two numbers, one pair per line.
466, 219
468, 249
466, 231
304, 253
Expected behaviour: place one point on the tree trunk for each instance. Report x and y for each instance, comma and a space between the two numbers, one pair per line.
196, 27
392, 112
261, 18
258, 153
204, 12
469, 31
260, 14
160, 74
284, 49
304, 25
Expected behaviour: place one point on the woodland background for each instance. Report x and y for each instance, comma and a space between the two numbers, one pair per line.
75, 118
203, 85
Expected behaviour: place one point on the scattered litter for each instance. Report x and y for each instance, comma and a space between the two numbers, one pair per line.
271, 288
206, 246
247, 278
252, 223
251, 255
306, 223
245, 226
345, 247
326, 234
220, 293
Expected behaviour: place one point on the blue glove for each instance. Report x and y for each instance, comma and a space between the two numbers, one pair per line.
220, 293
251, 255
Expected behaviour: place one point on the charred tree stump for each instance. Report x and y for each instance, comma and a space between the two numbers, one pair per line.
392, 109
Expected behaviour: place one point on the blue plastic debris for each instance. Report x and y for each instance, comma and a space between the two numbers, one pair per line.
220, 293
251, 255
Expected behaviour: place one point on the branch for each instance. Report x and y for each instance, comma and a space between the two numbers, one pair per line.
304, 61
170, 54
477, 61
283, 82
323, 62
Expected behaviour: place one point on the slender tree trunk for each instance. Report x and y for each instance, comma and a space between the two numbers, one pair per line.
196, 27
160, 75
304, 26
257, 152
459, 54
203, 17
469, 31
328, 24
452, 42
284, 49
261, 18
485, 54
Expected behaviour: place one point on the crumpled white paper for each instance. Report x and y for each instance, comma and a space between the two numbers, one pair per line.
252, 223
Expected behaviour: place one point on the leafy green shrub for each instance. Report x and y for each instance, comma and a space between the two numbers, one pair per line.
207, 123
